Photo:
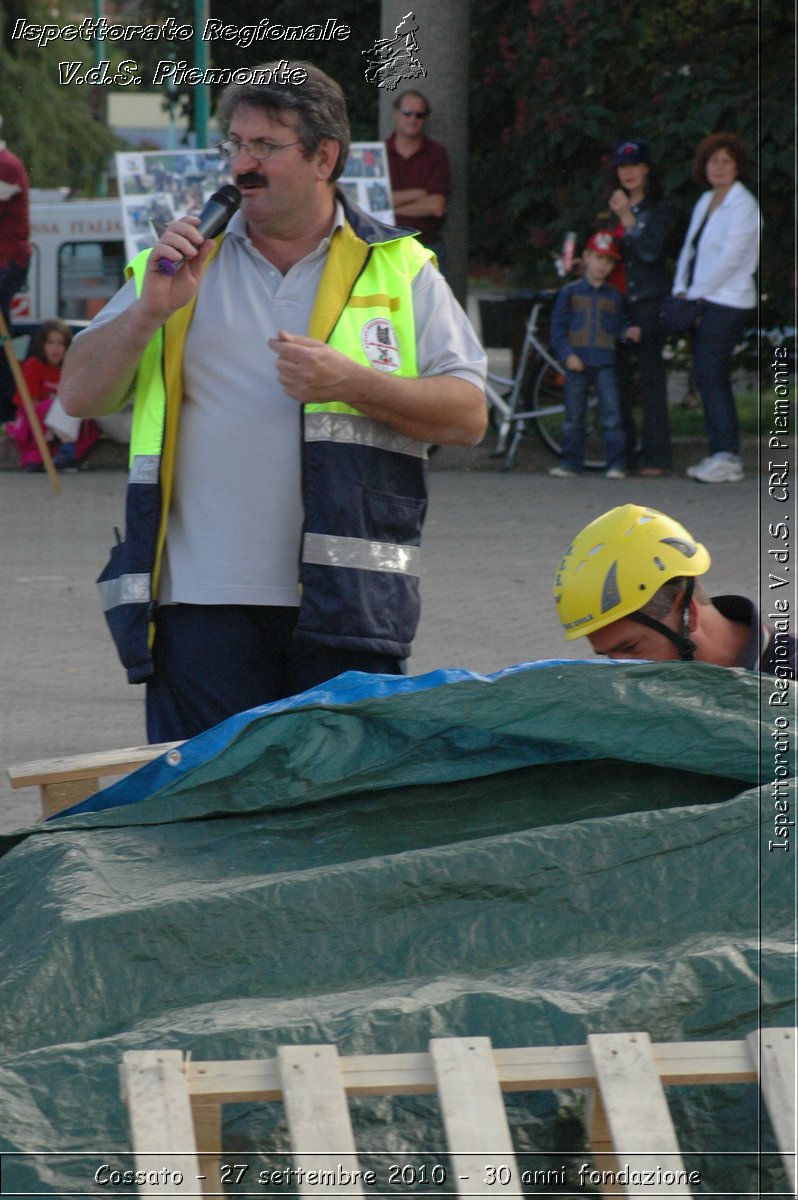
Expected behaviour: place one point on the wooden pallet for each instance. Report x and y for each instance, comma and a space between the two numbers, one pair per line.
63, 782
175, 1106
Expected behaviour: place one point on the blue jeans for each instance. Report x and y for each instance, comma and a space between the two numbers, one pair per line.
577, 385
718, 332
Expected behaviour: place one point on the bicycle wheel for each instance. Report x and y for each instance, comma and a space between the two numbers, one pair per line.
548, 395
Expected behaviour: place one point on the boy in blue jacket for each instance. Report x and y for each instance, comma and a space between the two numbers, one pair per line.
588, 318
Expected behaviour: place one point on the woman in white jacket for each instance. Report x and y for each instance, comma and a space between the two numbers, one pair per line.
716, 266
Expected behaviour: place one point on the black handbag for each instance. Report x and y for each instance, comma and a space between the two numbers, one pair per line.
679, 315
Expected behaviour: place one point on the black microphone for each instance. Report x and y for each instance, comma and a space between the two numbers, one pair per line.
212, 220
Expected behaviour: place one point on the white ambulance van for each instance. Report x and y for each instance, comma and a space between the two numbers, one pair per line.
77, 263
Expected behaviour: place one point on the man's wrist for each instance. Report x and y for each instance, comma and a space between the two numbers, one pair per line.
143, 323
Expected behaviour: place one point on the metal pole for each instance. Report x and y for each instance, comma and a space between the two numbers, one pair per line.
99, 43
100, 111
201, 92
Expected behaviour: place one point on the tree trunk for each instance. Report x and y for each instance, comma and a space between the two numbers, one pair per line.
442, 38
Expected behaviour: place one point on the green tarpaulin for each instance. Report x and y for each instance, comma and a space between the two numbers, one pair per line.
562, 849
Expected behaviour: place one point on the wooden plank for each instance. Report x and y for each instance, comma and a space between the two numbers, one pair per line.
319, 1124
519, 1069
212, 1083
85, 766
774, 1053
600, 1141
702, 1062
57, 796
207, 1120
637, 1111
477, 1133
28, 405
155, 1090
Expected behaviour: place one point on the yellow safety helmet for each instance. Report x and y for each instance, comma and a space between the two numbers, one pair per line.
618, 562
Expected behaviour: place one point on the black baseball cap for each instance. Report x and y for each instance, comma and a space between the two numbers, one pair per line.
633, 151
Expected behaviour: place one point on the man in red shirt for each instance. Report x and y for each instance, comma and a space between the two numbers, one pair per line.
420, 176
15, 253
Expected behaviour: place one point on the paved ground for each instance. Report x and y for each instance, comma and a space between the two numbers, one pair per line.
491, 545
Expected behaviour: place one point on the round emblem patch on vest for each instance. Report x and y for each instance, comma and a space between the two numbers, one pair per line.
380, 344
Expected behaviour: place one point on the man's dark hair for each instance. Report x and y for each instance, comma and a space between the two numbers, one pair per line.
318, 101
661, 602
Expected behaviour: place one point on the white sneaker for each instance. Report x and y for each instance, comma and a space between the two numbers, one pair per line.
562, 473
718, 468
699, 466
615, 473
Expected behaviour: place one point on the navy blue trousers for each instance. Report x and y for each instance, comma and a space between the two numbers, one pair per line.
655, 438
212, 661
718, 332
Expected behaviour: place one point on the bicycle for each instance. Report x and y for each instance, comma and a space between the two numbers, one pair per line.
540, 376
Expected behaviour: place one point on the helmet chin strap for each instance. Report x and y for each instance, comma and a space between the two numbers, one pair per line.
683, 642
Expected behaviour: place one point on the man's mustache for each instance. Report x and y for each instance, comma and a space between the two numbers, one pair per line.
251, 179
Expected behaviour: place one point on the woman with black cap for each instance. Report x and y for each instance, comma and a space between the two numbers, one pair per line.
644, 228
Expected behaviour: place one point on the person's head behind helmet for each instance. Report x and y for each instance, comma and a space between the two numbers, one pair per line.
618, 562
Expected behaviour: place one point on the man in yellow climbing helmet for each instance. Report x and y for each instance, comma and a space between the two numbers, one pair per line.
629, 583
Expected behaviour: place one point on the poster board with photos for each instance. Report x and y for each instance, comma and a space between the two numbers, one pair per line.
156, 186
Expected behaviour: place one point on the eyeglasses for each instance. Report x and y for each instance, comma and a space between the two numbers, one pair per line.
257, 148
411, 112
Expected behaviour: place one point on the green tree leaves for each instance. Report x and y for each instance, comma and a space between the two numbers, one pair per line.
558, 82
50, 127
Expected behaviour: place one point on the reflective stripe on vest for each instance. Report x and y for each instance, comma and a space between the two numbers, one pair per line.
126, 589
350, 428
325, 550
145, 468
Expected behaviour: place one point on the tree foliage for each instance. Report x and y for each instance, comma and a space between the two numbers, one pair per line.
334, 57
558, 82
73, 150
554, 84
52, 128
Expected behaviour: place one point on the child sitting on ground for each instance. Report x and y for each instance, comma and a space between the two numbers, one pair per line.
588, 318
42, 374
